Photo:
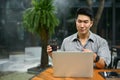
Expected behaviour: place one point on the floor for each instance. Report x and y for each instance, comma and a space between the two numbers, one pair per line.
16, 76
16, 70
15, 67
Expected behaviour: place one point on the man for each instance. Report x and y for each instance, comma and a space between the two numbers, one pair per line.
86, 41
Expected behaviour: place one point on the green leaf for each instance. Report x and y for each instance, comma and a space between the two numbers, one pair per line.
40, 16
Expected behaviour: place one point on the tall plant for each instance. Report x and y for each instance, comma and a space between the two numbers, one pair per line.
41, 20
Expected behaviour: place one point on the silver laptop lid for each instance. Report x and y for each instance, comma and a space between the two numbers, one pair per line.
72, 64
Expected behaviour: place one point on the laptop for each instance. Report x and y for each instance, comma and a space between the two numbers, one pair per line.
72, 64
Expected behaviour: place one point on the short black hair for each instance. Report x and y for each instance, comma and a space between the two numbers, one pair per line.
85, 11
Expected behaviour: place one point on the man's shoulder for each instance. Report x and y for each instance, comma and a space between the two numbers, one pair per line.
71, 37
98, 37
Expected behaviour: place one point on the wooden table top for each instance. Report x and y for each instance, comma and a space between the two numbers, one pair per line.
48, 75
117, 46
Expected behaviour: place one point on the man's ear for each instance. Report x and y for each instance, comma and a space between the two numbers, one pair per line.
91, 24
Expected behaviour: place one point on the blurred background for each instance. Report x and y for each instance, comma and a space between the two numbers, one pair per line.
14, 38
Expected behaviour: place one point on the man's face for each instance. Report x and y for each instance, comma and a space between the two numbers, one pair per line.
83, 24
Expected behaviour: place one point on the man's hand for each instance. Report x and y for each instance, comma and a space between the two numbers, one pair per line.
100, 63
49, 50
87, 50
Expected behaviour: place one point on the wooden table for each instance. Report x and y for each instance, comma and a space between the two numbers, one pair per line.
117, 46
48, 75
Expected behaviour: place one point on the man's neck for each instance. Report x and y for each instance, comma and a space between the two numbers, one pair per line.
83, 36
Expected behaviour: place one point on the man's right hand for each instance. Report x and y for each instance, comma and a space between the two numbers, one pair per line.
49, 50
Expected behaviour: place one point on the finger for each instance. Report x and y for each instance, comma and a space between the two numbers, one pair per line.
49, 49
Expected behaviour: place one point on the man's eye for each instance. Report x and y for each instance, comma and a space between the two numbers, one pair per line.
79, 21
85, 21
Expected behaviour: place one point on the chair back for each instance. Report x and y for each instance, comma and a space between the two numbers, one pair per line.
118, 52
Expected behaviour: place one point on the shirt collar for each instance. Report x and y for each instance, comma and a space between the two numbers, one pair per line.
75, 37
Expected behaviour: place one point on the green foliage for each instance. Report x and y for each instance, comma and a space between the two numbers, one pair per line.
40, 16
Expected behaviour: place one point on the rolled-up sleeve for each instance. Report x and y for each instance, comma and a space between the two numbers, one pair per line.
104, 52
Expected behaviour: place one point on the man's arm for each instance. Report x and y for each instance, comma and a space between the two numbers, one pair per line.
100, 63
104, 53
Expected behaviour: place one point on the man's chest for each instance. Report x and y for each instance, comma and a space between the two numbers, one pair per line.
77, 46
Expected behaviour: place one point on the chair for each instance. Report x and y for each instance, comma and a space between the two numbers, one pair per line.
110, 66
117, 58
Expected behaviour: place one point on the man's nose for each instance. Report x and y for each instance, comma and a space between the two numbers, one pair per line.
82, 25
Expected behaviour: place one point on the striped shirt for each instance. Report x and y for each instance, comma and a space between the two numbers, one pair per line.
94, 43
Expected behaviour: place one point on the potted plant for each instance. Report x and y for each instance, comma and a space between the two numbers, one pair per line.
40, 19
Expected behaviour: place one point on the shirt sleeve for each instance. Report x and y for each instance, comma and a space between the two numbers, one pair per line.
104, 52
62, 46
